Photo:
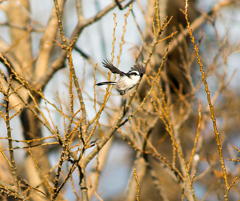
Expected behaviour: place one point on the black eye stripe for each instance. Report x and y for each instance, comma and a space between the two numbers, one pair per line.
133, 73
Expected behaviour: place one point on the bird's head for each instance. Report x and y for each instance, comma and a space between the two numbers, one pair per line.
133, 73
138, 70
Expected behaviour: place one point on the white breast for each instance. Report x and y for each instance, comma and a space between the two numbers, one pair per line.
126, 83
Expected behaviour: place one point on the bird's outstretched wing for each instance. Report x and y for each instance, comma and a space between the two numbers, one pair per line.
140, 68
107, 64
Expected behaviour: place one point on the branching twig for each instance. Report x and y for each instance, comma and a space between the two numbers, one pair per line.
211, 107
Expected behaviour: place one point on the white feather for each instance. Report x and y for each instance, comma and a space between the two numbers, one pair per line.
125, 83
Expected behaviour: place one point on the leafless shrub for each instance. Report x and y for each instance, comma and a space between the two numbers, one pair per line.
179, 131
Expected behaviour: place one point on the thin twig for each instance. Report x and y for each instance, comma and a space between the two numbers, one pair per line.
211, 107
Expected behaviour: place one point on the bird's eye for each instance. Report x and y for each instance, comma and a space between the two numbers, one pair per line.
134, 73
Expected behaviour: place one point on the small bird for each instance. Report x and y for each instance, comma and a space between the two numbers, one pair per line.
127, 80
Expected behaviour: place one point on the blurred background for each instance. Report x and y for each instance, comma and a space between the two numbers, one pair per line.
40, 98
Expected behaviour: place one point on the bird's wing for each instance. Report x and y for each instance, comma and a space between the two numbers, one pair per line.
107, 64
138, 67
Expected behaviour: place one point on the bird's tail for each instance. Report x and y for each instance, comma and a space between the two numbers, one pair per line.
105, 83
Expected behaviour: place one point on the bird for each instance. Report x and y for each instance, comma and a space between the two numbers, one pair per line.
126, 81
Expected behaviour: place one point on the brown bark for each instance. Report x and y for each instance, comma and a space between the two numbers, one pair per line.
18, 13
156, 185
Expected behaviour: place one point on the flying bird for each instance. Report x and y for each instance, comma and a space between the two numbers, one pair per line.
127, 80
